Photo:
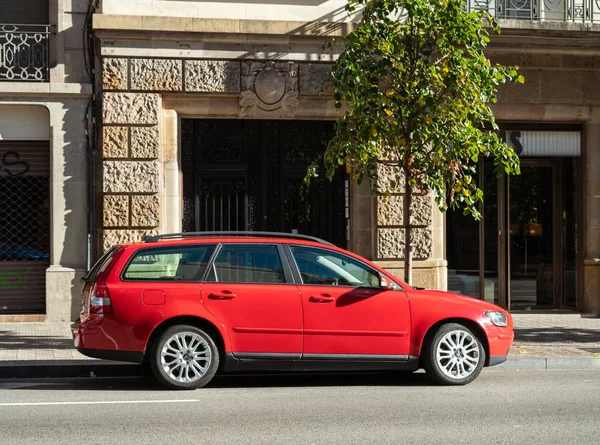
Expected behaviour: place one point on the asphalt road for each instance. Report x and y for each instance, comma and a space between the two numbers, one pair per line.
501, 407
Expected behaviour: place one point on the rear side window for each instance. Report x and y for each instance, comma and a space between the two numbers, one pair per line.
180, 263
247, 263
100, 265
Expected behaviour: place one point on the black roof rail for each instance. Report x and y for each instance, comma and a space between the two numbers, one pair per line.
156, 238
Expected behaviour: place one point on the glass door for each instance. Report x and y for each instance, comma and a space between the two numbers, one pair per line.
531, 236
526, 250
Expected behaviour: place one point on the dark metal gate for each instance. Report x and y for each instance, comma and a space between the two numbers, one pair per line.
247, 175
24, 227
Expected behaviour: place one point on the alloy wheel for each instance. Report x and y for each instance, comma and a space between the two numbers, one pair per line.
457, 354
185, 357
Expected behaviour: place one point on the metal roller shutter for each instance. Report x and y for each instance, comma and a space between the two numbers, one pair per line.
24, 226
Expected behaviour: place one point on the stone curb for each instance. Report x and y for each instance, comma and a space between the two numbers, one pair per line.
549, 363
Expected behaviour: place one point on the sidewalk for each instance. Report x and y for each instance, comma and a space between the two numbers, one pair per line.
551, 339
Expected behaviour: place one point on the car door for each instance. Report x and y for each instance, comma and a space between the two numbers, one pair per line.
347, 314
251, 292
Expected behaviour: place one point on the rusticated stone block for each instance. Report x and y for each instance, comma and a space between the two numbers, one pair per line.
390, 210
113, 237
131, 177
391, 243
115, 142
114, 73
130, 108
116, 210
315, 77
156, 75
386, 176
145, 211
145, 142
212, 76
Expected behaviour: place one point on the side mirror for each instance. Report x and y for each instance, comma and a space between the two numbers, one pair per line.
385, 282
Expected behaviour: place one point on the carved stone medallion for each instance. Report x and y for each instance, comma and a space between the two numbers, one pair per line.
269, 89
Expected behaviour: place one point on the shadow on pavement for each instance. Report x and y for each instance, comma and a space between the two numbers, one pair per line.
557, 335
8, 340
226, 381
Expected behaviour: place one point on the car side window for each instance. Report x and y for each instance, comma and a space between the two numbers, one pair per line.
247, 263
326, 268
180, 263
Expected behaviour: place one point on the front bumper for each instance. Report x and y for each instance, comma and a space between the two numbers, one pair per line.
500, 341
497, 359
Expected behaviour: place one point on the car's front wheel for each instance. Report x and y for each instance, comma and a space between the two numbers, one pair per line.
184, 357
454, 356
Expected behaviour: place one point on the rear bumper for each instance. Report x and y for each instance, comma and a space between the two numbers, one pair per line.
102, 337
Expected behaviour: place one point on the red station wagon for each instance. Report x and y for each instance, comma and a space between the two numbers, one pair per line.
194, 304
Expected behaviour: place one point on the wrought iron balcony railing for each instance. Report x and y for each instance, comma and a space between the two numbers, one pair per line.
578, 11
24, 52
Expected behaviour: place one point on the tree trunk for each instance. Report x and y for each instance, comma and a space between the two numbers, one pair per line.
408, 230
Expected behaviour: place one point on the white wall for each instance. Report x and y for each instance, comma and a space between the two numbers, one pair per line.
289, 10
24, 122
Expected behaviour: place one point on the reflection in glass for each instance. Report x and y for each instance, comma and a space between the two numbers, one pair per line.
462, 253
490, 224
531, 237
569, 227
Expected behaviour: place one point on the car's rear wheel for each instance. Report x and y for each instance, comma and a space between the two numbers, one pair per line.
454, 356
184, 357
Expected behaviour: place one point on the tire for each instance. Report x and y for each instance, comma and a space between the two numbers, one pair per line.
454, 356
184, 357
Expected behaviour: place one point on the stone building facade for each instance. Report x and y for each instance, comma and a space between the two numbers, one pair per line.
204, 100
165, 65
44, 93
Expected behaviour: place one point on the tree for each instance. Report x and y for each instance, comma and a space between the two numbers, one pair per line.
417, 88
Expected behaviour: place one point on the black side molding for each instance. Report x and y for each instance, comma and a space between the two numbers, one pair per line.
117, 356
281, 363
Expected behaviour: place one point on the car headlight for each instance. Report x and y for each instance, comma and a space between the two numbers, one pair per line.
498, 318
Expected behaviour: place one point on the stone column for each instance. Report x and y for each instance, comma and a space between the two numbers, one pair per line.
131, 169
68, 204
362, 220
172, 193
140, 149
591, 300
429, 267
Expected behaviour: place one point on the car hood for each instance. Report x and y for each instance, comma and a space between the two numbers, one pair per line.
438, 295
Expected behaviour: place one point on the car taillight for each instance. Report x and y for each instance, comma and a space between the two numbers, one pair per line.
100, 299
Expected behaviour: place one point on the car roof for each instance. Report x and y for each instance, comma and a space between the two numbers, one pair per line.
227, 236
228, 239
